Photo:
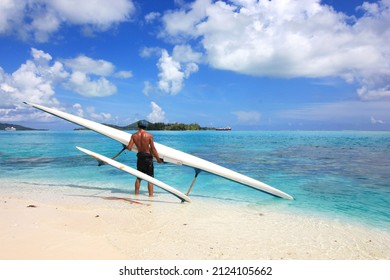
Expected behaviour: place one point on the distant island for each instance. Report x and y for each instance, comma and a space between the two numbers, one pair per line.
133, 126
160, 126
13, 127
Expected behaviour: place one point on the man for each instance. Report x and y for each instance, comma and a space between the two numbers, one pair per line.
146, 150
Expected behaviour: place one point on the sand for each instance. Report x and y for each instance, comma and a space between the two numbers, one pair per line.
63, 223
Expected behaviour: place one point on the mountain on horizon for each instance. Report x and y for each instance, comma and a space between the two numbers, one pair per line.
3, 126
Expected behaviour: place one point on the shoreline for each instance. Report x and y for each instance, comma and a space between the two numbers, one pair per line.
66, 223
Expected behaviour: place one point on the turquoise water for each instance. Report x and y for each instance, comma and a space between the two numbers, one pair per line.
343, 175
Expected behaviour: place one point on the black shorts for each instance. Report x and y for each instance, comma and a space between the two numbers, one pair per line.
145, 163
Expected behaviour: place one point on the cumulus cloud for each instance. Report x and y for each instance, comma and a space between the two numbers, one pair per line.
101, 117
291, 38
189, 18
172, 74
170, 77
185, 54
34, 81
123, 74
173, 69
151, 17
90, 113
83, 84
88, 76
41, 18
147, 52
86, 64
37, 79
157, 114
79, 110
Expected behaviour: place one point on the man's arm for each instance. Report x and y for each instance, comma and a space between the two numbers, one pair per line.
154, 150
131, 143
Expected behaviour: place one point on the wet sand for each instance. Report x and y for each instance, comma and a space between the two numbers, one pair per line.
43, 223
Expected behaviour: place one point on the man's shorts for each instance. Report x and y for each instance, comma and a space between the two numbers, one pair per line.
145, 163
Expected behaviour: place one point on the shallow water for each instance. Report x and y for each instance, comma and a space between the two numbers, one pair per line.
343, 175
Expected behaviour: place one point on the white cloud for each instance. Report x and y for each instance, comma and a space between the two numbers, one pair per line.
88, 65
90, 113
11, 11
34, 81
291, 38
148, 52
157, 114
83, 84
173, 70
248, 117
101, 13
39, 55
37, 79
41, 18
375, 88
124, 74
88, 76
148, 88
172, 75
190, 68
101, 117
375, 121
184, 53
79, 110
151, 17
187, 19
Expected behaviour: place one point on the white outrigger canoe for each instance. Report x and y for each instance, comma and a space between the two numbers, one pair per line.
168, 154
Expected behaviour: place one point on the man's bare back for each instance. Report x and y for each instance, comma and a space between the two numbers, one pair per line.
144, 142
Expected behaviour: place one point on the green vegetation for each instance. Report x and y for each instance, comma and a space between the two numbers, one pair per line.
176, 126
161, 126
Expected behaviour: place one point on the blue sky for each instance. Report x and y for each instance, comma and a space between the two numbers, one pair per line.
280, 64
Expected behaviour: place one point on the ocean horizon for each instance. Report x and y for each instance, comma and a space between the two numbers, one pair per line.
341, 175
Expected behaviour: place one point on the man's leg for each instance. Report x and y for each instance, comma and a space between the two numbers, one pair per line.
137, 186
150, 189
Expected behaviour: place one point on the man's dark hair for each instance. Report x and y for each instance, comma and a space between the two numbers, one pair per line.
143, 124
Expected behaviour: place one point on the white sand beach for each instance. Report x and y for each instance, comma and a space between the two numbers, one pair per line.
39, 222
